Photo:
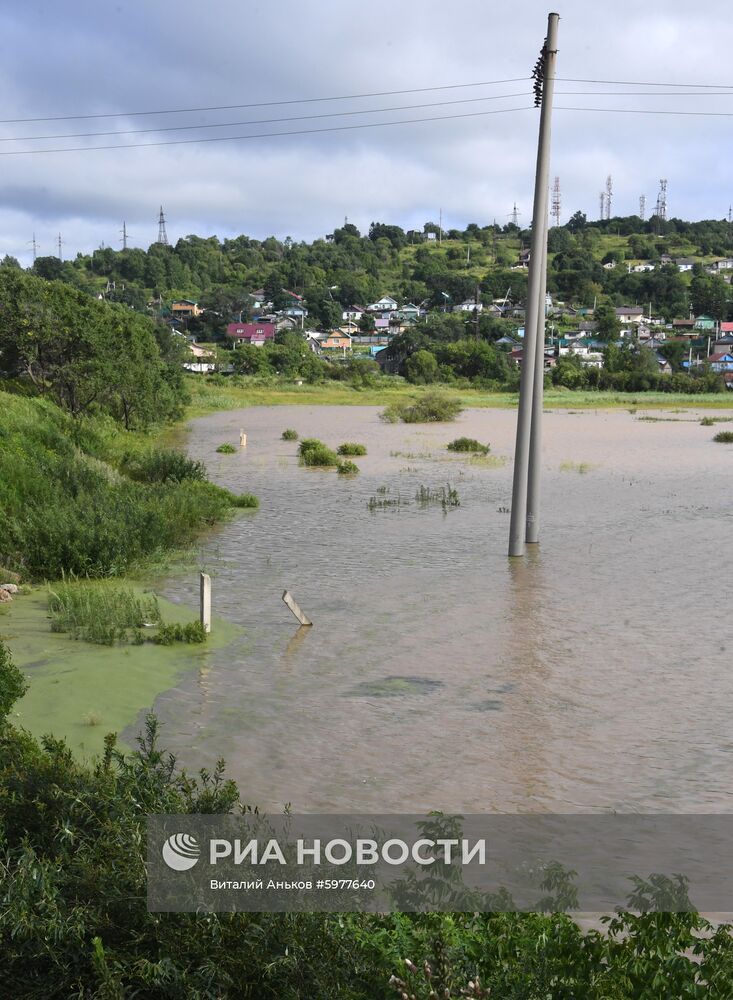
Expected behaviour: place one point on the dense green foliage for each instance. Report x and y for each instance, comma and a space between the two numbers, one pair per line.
88, 356
289, 434
724, 437
74, 921
68, 505
347, 468
226, 449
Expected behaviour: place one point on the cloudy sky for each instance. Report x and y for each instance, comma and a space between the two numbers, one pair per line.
112, 61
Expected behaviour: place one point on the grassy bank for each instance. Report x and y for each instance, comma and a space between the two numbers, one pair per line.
83, 496
207, 397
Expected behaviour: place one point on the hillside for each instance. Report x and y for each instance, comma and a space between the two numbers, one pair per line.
347, 268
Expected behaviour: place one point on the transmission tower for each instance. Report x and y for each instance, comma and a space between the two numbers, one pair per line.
602, 203
59, 242
642, 207
514, 215
556, 201
162, 235
32, 243
123, 231
609, 193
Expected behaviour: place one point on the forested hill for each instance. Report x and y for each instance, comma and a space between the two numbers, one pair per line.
347, 268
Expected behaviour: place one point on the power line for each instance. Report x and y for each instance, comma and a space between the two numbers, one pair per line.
262, 104
261, 135
646, 83
256, 121
645, 111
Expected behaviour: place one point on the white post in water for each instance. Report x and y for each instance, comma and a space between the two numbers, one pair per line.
242, 439
544, 85
295, 608
205, 599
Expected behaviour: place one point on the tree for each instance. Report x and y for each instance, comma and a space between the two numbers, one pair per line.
577, 222
422, 368
608, 325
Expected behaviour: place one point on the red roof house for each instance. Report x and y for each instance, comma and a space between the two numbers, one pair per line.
256, 334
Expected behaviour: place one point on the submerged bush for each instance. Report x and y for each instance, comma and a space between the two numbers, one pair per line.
347, 468
433, 407
351, 448
315, 453
469, 445
724, 437
170, 633
245, 500
289, 434
226, 449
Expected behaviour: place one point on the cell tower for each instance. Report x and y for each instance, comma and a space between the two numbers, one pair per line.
162, 235
602, 203
642, 207
556, 201
609, 194
59, 242
661, 209
32, 243
514, 215
123, 231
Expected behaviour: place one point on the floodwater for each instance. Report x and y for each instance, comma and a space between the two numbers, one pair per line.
595, 674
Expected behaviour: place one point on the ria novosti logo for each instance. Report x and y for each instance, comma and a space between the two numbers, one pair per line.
181, 852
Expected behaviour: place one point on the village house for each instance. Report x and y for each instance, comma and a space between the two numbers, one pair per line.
469, 305
384, 305
685, 263
353, 313
629, 314
722, 361
336, 341
185, 309
256, 334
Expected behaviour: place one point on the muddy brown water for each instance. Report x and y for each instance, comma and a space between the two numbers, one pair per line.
595, 674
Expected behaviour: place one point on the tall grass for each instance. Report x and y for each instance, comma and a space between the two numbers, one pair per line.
100, 612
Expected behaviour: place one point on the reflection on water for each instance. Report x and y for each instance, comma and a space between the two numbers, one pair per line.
593, 674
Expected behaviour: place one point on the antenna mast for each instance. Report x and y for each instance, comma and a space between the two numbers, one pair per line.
59, 241
124, 236
556, 201
642, 207
602, 203
609, 193
514, 216
162, 235
32, 243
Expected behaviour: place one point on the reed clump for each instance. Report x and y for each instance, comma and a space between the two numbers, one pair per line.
101, 613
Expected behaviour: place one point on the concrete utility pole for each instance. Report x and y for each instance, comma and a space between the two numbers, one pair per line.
544, 74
